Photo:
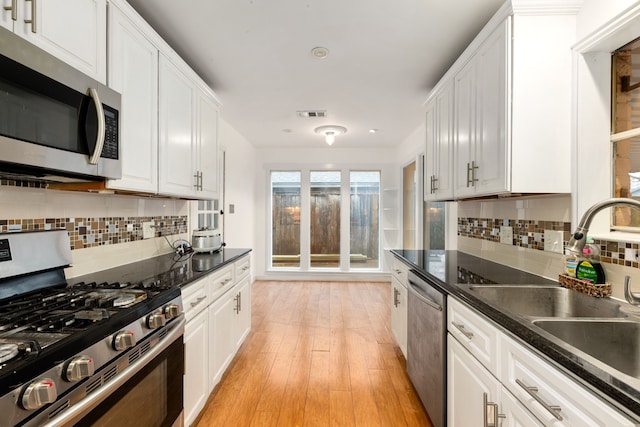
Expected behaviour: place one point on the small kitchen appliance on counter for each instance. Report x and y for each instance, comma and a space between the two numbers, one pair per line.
206, 240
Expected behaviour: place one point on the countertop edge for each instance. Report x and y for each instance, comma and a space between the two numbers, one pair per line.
569, 363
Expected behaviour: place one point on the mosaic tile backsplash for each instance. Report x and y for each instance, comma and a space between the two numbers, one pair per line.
530, 234
92, 232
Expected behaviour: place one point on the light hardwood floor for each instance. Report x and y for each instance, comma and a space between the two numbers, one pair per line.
319, 354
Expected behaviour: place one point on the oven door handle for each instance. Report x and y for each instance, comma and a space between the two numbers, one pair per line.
79, 410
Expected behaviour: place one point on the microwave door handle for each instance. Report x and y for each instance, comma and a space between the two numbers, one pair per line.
95, 156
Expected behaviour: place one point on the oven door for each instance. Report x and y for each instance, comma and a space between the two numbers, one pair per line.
148, 394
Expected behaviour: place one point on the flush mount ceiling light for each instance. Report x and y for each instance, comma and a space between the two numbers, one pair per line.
330, 132
319, 52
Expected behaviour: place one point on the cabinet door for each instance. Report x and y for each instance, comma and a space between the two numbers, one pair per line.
71, 30
176, 138
465, 130
491, 153
196, 351
399, 314
208, 146
221, 337
467, 384
431, 156
444, 143
243, 314
133, 71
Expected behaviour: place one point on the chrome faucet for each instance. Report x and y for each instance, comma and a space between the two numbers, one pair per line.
631, 297
579, 237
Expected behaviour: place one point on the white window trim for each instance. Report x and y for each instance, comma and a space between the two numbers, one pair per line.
591, 132
386, 179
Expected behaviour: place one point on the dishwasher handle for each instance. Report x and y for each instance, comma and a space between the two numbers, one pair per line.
415, 290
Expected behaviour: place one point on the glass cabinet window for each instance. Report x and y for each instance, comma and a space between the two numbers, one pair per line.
208, 214
285, 219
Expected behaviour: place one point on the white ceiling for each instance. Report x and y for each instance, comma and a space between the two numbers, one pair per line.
385, 56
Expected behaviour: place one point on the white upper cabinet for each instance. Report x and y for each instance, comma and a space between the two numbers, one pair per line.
133, 71
207, 153
74, 31
188, 134
439, 168
481, 144
511, 124
169, 116
177, 142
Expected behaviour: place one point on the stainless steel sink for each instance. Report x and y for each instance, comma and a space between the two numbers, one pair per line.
613, 342
547, 301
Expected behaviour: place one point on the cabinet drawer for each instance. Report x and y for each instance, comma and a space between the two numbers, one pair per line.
475, 333
194, 298
540, 386
220, 282
399, 270
243, 267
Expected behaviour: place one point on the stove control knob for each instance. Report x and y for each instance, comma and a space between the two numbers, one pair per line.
124, 340
39, 393
79, 368
156, 320
171, 311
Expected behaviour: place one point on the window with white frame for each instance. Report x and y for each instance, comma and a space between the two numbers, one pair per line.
625, 133
307, 219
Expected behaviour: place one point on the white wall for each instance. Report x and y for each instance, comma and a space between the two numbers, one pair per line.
240, 188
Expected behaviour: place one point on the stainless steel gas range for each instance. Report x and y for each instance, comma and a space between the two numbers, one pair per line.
89, 352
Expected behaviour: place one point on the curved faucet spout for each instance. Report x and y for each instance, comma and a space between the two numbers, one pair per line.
579, 237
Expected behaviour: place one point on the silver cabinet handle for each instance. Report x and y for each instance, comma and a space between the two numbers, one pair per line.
533, 392
461, 328
95, 156
395, 297
32, 21
198, 301
14, 10
491, 415
224, 282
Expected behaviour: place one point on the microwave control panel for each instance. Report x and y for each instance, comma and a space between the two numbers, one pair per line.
110, 147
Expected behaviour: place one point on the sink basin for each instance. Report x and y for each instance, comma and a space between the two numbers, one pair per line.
614, 342
547, 301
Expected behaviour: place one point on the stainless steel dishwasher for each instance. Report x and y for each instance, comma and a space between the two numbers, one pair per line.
426, 346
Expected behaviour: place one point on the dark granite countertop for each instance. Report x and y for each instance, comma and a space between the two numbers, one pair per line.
170, 268
454, 272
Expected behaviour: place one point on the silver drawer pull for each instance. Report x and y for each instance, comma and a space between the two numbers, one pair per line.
198, 301
533, 392
461, 328
225, 281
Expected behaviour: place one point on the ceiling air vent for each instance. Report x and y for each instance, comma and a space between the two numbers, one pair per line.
312, 113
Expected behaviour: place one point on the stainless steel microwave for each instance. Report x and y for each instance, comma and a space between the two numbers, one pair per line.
56, 123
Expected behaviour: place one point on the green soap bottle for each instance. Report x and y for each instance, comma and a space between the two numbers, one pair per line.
589, 268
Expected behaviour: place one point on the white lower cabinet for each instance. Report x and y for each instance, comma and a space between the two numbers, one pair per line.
399, 303
196, 386
495, 381
218, 315
399, 314
470, 387
551, 395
